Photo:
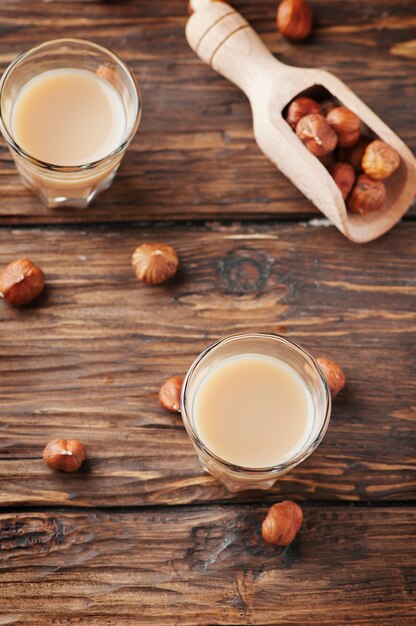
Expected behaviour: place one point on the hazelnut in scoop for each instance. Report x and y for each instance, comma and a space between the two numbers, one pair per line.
317, 135
379, 160
299, 107
354, 154
367, 196
344, 177
346, 124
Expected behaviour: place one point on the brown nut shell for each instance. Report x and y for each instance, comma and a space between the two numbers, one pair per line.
282, 523
66, 455
316, 134
294, 19
353, 155
379, 160
344, 177
21, 282
300, 107
347, 140
343, 120
155, 263
333, 373
170, 394
367, 195
346, 124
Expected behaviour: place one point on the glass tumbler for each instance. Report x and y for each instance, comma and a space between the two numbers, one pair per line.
236, 478
75, 185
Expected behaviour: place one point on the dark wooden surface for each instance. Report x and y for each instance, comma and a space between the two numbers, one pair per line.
208, 565
194, 155
141, 535
90, 355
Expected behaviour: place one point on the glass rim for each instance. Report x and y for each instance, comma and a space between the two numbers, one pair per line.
69, 168
259, 471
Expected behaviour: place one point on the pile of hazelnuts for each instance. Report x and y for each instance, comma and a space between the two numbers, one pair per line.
357, 163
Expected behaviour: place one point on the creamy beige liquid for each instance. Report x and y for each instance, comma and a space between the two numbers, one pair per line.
68, 117
253, 411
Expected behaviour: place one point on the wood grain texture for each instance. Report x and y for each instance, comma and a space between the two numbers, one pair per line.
86, 360
224, 40
199, 566
195, 156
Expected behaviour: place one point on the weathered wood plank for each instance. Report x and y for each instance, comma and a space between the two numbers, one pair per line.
198, 566
86, 360
194, 155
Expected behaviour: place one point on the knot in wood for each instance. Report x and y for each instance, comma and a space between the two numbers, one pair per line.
243, 271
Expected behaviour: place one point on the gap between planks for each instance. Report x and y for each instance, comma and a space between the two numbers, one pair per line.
268, 500
305, 220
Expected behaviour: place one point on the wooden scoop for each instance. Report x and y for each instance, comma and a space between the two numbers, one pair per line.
222, 38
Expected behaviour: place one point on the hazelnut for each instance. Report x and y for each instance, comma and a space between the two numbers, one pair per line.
346, 124
367, 195
300, 107
379, 160
170, 394
21, 282
316, 134
343, 120
64, 454
333, 374
282, 523
344, 176
354, 154
294, 19
154, 263
347, 140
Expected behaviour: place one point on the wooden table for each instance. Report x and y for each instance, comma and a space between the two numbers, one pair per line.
141, 535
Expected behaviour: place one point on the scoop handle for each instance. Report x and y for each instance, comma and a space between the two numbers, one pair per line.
223, 39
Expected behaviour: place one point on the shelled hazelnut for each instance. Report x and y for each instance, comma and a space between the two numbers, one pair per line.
367, 195
170, 394
299, 107
344, 176
317, 135
379, 160
155, 263
66, 455
21, 282
294, 19
346, 125
282, 523
333, 373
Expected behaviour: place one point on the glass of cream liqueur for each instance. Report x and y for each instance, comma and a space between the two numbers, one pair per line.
68, 110
254, 406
